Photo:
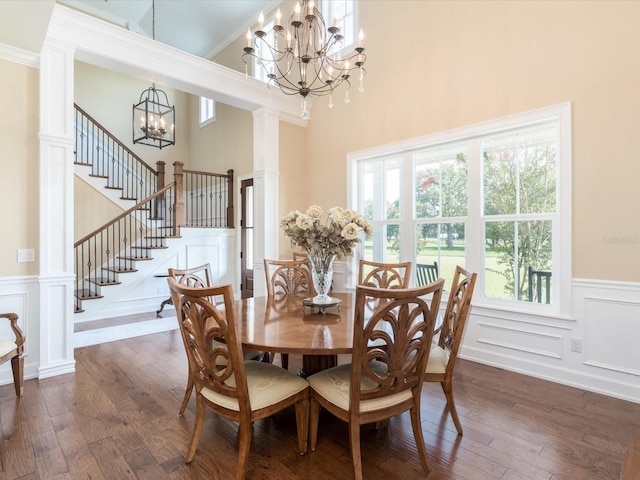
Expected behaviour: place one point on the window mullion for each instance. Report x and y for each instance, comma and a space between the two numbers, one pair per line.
474, 231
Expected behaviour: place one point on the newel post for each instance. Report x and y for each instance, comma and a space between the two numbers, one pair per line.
160, 178
178, 211
230, 214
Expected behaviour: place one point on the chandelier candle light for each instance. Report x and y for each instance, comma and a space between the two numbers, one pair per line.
304, 56
325, 235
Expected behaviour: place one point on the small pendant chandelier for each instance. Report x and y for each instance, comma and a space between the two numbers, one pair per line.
153, 118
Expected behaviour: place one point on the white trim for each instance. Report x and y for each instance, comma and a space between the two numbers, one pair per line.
17, 55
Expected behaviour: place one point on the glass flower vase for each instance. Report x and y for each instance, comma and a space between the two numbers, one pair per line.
322, 276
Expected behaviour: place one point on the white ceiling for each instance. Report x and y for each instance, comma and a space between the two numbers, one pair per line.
200, 27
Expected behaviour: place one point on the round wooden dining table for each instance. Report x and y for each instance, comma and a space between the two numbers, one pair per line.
286, 325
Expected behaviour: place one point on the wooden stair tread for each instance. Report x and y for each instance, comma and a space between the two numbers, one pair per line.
122, 270
104, 282
87, 295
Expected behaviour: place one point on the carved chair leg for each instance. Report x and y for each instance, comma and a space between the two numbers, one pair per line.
314, 417
447, 388
17, 366
302, 424
416, 423
187, 394
354, 441
197, 430
284, 358
245, 432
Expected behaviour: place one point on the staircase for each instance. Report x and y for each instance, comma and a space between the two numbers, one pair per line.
152, 211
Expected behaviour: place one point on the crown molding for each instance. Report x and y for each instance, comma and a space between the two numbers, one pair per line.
17, 55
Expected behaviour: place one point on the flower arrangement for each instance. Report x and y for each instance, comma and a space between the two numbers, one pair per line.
323, 233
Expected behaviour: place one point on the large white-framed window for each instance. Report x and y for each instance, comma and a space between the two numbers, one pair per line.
494, 198
207, 111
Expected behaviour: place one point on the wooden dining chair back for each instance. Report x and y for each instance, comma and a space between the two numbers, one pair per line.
285, 278
392, 334
426, 273
243, 391
200, 277
631, 465
384, 275
300, 255
288, 277
13, 349
442, 359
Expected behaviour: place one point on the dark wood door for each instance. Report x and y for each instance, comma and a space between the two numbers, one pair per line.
246, 236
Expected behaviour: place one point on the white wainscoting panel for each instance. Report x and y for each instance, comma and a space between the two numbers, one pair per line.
520, 340
604, 330
610, 343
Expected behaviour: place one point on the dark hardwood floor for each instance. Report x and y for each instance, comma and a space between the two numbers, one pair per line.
117, 418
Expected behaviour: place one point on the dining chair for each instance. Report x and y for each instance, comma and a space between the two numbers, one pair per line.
443, 354
13, 349
286, 278
426, 273
200, 277
242, 391
391, 340
631, 465
384, 275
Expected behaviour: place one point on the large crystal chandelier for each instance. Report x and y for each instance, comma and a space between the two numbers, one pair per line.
304, 56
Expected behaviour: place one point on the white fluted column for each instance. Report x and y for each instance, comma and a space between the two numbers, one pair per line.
56, 210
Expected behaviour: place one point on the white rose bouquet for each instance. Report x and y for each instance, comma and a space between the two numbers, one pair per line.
320, 233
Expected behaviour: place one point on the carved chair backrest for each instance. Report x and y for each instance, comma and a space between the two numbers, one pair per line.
384, 275
392, 337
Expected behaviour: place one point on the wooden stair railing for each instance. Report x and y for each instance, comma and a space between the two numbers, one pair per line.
209, 199
113, 248
109, 158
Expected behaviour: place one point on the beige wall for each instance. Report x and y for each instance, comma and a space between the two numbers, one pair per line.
435, 65
91, 213
224, 144
19, 196
294, 181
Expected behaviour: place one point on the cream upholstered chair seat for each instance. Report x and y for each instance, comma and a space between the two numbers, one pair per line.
334, 383
6, 346
438, 360
268, 384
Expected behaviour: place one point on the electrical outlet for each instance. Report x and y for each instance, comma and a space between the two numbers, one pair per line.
576, 345
26, 255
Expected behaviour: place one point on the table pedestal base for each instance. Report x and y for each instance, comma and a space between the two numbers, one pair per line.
315, 363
